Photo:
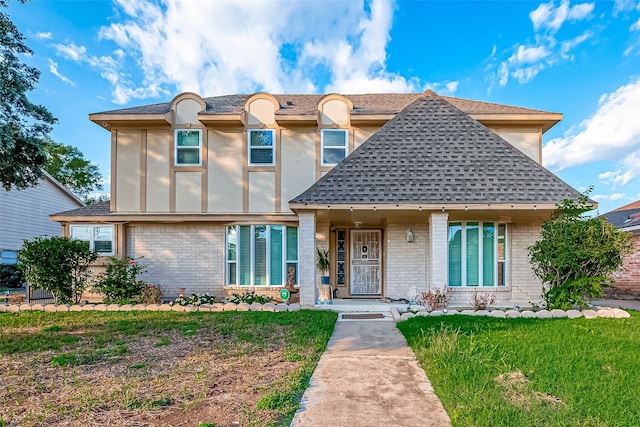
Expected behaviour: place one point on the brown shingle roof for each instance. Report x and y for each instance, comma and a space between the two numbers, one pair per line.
96, 209
296, 104
432, 152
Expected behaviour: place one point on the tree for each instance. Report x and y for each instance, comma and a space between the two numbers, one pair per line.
67, 164
23, 124
576, 255
58, 265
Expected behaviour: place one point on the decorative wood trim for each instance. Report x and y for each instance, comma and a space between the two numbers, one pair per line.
114, 170
278, 171
143, 170
204, 187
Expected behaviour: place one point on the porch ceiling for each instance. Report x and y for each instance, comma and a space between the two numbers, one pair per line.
380, 217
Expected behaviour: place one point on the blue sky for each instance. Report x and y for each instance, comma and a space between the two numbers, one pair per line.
581, 59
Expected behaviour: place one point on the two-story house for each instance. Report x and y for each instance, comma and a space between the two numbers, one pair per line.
231, 193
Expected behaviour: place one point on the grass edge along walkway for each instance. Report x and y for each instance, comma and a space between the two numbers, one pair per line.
521, 372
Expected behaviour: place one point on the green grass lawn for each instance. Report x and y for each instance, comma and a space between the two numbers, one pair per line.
531, 372
157, 368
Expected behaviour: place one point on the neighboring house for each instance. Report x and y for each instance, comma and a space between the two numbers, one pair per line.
230, 193
627, 278
24, 214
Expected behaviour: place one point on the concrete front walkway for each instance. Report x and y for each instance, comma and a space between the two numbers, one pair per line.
369, 377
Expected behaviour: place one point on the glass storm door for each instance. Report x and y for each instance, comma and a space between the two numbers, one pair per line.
366, 262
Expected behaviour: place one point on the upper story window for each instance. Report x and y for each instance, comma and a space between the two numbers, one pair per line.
188, 147
477, 253
262, 147
98, 237
335, 144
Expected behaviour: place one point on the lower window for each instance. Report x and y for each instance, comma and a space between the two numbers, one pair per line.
477, 254
261, 255
8, 257
99, 238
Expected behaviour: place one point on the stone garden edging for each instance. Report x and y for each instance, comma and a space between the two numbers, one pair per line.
603, 312
151, 307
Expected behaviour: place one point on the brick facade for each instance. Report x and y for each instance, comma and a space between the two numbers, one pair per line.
627, 278
526, 287
406, 262
180, 256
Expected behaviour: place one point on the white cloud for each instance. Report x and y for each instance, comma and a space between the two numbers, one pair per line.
444, 88
53, 68
226, 47
611, 133
44, 35
635, 26
548, 16
526, 61
624, 5
607, 197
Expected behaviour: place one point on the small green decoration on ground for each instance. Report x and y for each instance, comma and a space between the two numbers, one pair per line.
284, 294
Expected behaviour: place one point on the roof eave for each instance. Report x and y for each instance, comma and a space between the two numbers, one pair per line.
546, 121
109, 121
444, 206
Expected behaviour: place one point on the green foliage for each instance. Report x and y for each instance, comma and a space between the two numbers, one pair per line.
23, 125
67, 164
57, 265
575, 255
322, 260
195, 299
10, 276
249, 297
120, 280
590, 365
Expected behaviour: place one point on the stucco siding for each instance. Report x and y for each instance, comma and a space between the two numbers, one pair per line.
298, 169
24, 214
128, 171
180, 256
225, 184
188, 192
262, 189
158, 158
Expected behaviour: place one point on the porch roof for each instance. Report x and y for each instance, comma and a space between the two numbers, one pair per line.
433, 153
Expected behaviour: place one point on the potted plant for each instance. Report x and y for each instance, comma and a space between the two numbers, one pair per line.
322, 263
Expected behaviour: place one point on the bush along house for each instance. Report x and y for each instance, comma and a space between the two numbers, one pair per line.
236, 193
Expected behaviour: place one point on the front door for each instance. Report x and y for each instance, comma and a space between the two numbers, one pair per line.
366, 254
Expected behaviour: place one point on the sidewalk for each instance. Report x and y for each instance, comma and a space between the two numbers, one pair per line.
369, 376
618, 303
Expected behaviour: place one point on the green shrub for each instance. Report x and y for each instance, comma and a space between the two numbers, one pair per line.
196, 299
10, 276
119, 282
576, 255
57, 265
249, 297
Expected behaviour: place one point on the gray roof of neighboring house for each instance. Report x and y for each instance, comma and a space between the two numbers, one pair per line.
432, 152
624, 218
95, 209
377, 103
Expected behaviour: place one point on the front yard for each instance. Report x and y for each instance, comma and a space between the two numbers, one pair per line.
157, 368
531, 372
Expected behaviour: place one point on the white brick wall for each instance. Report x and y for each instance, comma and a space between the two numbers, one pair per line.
438, 226
524, 284
180, 256
406, 262
307, 258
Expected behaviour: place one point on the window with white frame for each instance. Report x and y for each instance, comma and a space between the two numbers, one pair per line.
9, 257
188, 145
261, 255
99, 238
335, 145
477, 253
261, 147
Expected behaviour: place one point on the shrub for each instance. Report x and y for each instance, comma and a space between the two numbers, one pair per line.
151, 294
119, 282
58, 265
249, 297
575, 255
436, 299
195, 299
482, 300
10, 276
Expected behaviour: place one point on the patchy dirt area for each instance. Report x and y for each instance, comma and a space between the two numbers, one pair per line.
165, 380
517, 391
